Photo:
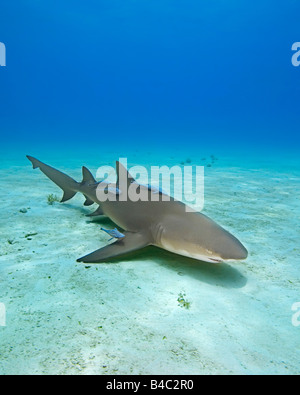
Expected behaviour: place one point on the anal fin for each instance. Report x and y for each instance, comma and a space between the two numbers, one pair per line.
131, 242
88, 201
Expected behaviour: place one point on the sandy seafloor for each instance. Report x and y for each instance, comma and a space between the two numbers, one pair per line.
64, 317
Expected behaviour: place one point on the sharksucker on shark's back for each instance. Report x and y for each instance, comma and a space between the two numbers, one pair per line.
165, 224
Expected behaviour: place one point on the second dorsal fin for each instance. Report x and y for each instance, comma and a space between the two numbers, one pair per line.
87, 176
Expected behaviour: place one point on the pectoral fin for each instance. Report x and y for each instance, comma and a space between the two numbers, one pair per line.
131, 242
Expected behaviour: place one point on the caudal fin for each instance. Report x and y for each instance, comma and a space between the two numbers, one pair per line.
35, 162
69, 186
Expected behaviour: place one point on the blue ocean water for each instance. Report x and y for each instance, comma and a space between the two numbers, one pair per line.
158, 73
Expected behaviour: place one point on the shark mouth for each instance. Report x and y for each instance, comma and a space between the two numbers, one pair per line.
215, 260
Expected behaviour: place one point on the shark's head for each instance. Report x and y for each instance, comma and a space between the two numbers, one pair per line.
218, 245
198, 237
226, 248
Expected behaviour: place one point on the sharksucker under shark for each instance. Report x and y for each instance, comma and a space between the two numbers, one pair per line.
162, 223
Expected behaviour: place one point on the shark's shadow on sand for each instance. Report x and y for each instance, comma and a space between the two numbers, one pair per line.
222, 275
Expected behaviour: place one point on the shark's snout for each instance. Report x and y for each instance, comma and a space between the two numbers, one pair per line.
223, 246
234, 251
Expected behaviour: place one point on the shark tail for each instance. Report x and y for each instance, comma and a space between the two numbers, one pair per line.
69, 186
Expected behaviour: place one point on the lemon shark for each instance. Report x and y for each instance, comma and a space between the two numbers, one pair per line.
155, 219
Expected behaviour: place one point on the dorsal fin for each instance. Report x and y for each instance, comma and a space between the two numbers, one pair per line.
124, 178
87, 176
